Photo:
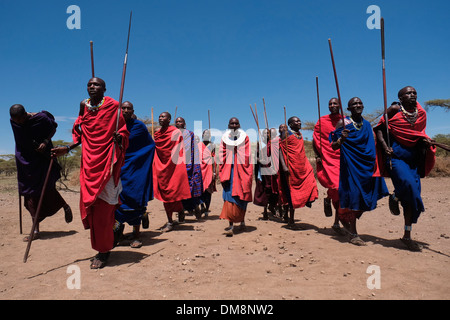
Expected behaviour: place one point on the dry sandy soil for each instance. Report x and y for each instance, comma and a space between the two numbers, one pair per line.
268, 261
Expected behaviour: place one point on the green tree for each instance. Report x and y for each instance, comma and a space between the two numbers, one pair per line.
443, 103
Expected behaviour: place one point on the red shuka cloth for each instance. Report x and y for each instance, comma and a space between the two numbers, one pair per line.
243, 169
170, 179
328, 168
94, 129
407, 135
302, 183
207, 163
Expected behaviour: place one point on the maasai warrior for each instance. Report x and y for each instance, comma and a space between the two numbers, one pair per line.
235, 173
327, 160
298, 184
359, 190
136, 176
207, 151
170, 179
266, 173
103, 152
33, 133
194, 170
409, 158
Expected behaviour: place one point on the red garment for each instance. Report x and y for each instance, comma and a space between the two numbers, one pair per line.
94, 129
328, 168
302, 183
207, 163
232, 212
408, 135
100, 217
243, 169
170, 179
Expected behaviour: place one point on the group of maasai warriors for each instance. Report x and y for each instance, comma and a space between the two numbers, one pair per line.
123, 167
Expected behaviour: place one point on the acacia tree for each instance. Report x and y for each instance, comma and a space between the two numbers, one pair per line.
443, 103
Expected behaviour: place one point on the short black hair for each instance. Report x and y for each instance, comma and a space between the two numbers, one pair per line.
16, 110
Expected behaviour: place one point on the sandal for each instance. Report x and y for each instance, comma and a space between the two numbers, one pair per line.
35, 237
100, 260
68, 216
340, 231
411, 244
136, 244
327, 207
393, 205
357, 241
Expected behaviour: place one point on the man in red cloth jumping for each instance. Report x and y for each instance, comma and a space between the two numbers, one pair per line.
327, 160
103, 151
170, 178
298, 184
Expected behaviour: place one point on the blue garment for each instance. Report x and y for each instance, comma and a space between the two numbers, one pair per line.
227, 193
406, 178
136, 174
358, 190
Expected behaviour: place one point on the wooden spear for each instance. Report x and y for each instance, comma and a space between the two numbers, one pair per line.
153, 126
92, 59
318, 107
38, 211
122, 85
384, 81
337, 83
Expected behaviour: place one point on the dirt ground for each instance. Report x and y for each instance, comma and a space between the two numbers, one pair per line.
267, 262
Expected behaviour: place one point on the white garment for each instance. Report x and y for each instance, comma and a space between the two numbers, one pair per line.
110, 193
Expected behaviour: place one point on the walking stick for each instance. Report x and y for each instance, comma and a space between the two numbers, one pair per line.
153, 129
384, 88
124, 71
320, 123
38, 211
265, 115
92, 59
255, 116
337, 83
287, 151
20, 213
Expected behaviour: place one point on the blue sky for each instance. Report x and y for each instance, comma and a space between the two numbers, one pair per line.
221, 56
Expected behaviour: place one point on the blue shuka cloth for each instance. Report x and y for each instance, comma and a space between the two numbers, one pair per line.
358, 189
227, 193
136, 174
406, 178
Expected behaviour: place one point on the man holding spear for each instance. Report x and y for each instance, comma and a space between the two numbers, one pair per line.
103, 148
411, 157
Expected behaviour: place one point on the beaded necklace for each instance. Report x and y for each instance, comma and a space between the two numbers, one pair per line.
93, 108
357, 125
411, 117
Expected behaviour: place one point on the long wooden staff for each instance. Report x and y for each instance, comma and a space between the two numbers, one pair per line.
210, 143
320, 123
287, 151
255, 116
384, 88
20, 213
38, 211
92, 59
265, 115
441, 145
124, 71
337, 83
153, 127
